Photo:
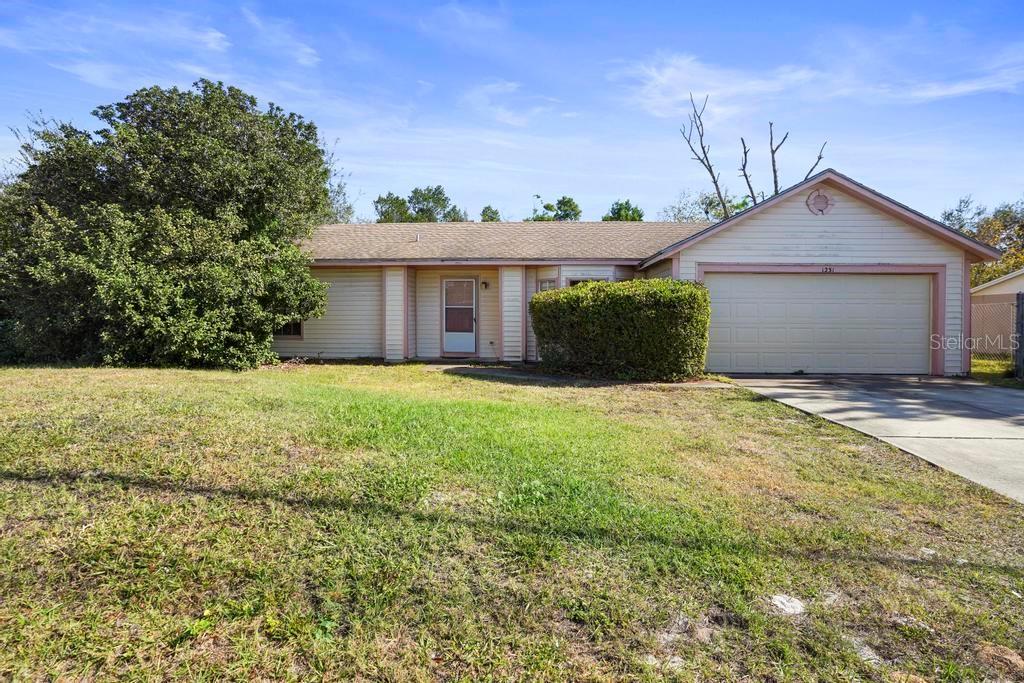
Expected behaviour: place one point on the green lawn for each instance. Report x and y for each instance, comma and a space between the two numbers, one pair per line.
401, 523
994, 371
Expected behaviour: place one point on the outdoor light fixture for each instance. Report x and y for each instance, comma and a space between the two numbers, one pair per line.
484, 284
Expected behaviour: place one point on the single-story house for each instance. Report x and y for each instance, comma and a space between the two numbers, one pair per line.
828, 276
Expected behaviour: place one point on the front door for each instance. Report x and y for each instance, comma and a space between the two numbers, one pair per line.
459, 316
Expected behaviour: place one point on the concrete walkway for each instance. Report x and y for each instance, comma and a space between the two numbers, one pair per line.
966, 427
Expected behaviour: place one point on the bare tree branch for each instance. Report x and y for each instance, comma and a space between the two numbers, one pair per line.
817, 161
745, 174
775, 148
701, 151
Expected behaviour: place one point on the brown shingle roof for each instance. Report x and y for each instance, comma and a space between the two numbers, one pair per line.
498, 241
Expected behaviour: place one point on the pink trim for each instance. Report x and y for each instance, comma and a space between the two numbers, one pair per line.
966, 317
841, 182
937, 271
384, 313
494, 263
501, 317
411, 323
896, 268
675, 267
405, 313
522, 315
559, 285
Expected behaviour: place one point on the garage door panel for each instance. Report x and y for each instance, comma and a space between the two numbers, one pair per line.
825, 336
777, 360
800, 335
742, 311
720, 334
832, 323
795, 311
861, 335
766, 335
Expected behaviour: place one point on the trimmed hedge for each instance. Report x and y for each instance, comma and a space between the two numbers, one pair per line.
636, 330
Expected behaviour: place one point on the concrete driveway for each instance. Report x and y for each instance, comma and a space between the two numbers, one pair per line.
972, 429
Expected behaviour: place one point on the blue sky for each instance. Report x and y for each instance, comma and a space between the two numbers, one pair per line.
501, 101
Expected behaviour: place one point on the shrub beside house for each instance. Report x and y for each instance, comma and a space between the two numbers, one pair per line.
635, 330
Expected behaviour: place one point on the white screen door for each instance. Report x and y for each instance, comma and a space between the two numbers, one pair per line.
459, 316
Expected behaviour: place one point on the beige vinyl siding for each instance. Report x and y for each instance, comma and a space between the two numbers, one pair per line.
394, 313
428, 314
585, 272
410, 310
1010, 286
620, 273
533, 278
512, 284
660, 269
531, 338
852, 232
352, 325
547, 272
488, 315
428, 311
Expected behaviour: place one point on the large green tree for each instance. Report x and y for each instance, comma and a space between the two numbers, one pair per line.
429, 204
563, 209
168, 236
623, 210
1002, 227
489, 215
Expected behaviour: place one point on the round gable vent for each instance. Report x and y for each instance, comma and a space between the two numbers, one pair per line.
819, 203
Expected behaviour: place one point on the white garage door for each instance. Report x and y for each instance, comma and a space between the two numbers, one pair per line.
819, 323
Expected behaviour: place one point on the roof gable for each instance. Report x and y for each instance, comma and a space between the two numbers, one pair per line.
1000, 280
832, 178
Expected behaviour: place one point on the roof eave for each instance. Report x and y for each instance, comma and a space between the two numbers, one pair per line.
474, 261
1003, 278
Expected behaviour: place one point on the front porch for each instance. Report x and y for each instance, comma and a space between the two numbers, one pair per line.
466, 312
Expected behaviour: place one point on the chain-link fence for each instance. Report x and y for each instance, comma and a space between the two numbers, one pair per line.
992, 330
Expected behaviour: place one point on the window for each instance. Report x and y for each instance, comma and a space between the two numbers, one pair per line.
545, 285
292, 329
576, 280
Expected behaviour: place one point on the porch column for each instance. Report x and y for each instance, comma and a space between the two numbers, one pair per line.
395, 312
512, 282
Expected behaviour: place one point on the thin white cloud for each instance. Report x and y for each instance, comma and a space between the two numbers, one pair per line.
876, 72
73, 31
279, 35
501, 101
482, 100
1003, 73
453, 19
100, 74
663, 85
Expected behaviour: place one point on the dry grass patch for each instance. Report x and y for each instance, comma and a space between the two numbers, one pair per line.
403, 523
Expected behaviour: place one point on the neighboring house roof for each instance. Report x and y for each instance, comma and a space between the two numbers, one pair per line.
348, 243
872, 197
1000, 280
